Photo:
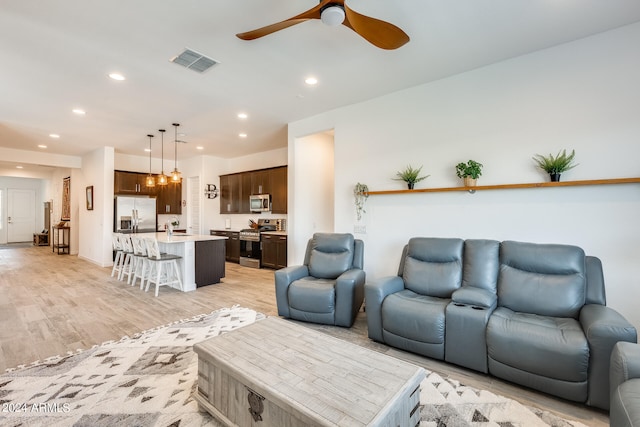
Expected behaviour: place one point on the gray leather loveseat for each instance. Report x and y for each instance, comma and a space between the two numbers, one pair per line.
532, 314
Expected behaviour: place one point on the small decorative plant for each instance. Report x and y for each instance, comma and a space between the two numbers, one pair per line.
361, 194
469, 171
175, 222
555, 165
410, 176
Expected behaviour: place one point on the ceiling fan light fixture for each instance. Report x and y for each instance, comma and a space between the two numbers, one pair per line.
332, 15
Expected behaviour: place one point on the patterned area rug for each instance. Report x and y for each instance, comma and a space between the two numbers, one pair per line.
148, 380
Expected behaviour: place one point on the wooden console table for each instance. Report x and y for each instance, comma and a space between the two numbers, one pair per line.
61, 239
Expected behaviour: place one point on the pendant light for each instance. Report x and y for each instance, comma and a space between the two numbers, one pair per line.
162, 179
151, 181
176, 176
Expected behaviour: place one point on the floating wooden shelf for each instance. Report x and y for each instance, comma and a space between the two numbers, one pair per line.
513, 186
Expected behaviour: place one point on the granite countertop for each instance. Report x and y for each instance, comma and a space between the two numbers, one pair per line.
275, 233
181, 237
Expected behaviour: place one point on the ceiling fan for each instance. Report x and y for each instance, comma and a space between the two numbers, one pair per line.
334, 12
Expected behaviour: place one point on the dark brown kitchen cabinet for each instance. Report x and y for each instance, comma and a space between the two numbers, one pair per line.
131, 183
279, 190
230, 193
261, 181
274, 251
236, 188
169, 199
232, 244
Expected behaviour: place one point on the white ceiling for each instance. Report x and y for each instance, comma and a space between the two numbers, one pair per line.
56, 55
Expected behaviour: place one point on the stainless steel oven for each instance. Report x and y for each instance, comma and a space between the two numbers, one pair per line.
250, 242
250, 249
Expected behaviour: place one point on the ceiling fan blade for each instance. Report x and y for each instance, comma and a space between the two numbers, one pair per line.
313, 13
379, 33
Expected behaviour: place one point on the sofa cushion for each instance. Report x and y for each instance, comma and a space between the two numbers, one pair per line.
313, 295
547, 346
414, 316
543, 279
433, 266
331, 254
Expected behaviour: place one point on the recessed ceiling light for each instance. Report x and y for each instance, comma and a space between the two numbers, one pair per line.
242, 135
311, 81
199, 147
148, 150
242, 115
18, 167
117, 76
79, 111
42, 146
54, 135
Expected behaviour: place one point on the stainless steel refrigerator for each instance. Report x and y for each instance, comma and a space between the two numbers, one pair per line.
135, 214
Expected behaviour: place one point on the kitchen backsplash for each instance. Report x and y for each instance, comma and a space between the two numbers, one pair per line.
163, 219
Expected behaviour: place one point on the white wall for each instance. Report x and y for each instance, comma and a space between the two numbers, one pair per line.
311, 186
583, 95
95, 226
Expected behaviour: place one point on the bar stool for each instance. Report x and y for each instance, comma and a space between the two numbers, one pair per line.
119, 260
140, 261
127, 264
164, 269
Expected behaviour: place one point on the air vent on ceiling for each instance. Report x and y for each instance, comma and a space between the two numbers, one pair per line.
194, 61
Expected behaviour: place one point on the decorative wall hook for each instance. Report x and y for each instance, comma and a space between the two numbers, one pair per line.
211, 191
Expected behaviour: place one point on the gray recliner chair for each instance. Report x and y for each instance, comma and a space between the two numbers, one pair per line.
329, 287
624, 381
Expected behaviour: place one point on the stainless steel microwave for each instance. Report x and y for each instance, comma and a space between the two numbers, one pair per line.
260, 203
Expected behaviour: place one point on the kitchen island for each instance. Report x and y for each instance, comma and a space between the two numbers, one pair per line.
202, 257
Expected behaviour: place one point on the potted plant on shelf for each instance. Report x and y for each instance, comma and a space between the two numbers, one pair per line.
555, 165
469, 172
361, 194
410, 176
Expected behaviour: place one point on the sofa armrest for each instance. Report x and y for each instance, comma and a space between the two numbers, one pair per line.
625, 363
603, 327
283, 278
475, 297
349, 296
374, 294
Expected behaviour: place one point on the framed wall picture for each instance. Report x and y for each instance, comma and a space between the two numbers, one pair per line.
66, 199
90, 198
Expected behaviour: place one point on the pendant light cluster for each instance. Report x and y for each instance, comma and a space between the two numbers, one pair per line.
162, 179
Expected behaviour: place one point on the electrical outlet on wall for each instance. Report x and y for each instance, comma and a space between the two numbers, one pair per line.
360, 229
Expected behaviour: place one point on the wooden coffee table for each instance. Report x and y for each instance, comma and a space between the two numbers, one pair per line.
277, 373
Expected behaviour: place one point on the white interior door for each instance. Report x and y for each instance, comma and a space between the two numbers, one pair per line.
21, 215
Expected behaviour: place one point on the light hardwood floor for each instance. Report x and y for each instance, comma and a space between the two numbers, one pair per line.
51, 304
